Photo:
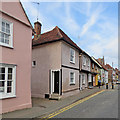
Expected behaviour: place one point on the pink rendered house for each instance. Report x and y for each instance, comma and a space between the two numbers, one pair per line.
15, 57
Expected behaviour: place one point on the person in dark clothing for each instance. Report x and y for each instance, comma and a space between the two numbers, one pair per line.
99, 82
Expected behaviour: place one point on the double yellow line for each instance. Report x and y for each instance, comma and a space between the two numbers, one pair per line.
70, 106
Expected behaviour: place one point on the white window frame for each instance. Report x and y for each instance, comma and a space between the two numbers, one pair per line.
84, 60
89, 77
73, 78
10, 35
33, 63
72, 61
83, 80
88, 62
13, 93
93, 65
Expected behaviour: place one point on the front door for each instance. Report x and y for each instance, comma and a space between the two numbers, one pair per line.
56, 82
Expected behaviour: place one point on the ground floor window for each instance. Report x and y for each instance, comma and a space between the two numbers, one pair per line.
72, 78
83, 79
7, 80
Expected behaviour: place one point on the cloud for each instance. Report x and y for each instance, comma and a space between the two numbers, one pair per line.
92, 20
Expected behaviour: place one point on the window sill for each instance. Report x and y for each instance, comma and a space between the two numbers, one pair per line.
72, 62
7, 46
72, 84
8, 97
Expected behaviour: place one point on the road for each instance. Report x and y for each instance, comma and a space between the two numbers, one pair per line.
101, 105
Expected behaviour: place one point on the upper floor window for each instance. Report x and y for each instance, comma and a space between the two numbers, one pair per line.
6, 33
72, 78
88, 63
7, 81
72, 55
96, 67
84, 60
93, 66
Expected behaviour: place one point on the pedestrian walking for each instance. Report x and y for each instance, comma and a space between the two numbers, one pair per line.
99, 83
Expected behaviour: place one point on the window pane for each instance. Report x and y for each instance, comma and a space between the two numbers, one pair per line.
9, 76
9, 70
71, 80
3, 24
6, 36
2, 70
1, 89
7, 26
71, 58
3, 29
6, 41
2, 83
8, 31
9, 89
9, 83
2, 76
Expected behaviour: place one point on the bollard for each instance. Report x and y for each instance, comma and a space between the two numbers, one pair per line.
112, 85
106, 85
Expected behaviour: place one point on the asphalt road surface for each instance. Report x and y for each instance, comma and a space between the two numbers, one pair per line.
103, 105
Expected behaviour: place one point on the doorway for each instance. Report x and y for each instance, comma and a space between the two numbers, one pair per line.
56, 81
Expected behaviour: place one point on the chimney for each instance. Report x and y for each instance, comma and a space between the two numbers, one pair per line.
37, 29
103, 61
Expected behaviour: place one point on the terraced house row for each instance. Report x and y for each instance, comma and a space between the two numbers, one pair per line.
49, 66
60, 66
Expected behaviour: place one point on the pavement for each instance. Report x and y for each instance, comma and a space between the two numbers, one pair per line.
42, 107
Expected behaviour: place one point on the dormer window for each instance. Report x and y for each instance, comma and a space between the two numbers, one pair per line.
72, 55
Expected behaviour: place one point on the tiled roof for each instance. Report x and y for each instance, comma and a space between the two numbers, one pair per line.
102, 65
54, 35
108, 66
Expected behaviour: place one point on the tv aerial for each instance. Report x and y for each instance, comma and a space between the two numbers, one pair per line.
37, 9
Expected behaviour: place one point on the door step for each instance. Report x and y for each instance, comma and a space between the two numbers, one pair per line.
55, 97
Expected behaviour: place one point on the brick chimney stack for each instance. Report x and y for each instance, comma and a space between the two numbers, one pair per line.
103, 61
37, 29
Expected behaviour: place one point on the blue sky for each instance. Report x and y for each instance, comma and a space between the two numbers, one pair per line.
92, 25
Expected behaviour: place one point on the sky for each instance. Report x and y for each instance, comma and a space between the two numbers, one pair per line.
93, 26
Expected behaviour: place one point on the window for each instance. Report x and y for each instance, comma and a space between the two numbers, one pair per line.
89, 78
33, 63
7, 81
88, 63
72, 55
83, 79
6, 33
93, 66
72, 78
84, 60
96, 67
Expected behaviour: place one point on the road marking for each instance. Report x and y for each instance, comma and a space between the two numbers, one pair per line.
70, 106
